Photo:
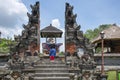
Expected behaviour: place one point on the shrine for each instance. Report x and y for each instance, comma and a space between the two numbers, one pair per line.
111, 51
50, 33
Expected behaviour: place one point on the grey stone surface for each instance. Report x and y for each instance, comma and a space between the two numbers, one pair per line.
31, 33
47, 70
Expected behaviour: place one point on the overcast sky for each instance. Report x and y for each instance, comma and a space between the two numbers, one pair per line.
90, 14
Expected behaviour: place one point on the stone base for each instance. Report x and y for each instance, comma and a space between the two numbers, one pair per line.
103, 77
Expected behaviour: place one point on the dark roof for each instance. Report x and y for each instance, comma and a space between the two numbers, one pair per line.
111, 33
51, 31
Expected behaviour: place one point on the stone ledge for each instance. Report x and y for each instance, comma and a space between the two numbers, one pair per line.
108, 55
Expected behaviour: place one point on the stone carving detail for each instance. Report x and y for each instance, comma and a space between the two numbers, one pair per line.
30, 34
87, 75
86, 59
73, 33
74, 36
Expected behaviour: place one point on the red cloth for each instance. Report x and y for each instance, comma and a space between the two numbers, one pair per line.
52, 57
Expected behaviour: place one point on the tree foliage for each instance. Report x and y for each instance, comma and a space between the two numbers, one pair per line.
5, 45
91, 34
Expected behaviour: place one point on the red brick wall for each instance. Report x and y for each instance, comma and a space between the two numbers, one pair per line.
71, 48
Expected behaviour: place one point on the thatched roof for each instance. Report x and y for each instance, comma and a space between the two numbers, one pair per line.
51, 31
111, 33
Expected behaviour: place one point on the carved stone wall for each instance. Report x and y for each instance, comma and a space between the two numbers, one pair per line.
73, 34
30, 36
77, 45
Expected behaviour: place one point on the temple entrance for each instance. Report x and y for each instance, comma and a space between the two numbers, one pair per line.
51, 33
70, 66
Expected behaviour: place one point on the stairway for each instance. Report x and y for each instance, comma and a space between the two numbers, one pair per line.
46, 70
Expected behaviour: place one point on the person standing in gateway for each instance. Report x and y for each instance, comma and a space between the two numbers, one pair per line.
52, 53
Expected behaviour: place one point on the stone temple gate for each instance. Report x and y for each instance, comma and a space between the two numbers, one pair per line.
76, 63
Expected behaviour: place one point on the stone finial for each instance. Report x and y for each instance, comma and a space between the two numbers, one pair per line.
50, 24
114, 24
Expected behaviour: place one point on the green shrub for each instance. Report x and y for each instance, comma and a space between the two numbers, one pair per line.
112, 75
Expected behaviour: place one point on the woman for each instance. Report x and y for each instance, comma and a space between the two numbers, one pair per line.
52, 53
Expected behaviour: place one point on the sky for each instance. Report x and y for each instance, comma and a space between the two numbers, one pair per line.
90, 14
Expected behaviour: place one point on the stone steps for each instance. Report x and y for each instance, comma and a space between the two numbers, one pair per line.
52, 71
52, 74
49, 62
51, 78
51, 66
47, 70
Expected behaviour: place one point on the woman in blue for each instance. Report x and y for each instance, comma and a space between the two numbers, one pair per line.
52, 53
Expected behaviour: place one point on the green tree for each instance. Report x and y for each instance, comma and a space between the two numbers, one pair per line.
91, 34
5, 45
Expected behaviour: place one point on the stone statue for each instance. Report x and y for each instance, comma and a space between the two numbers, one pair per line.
86, 59
87, 75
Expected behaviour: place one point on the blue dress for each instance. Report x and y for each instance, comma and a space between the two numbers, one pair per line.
52, 52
